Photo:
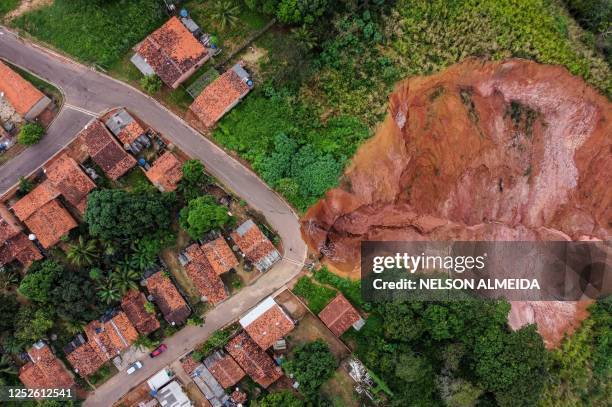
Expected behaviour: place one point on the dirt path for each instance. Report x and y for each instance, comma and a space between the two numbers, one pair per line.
26, 6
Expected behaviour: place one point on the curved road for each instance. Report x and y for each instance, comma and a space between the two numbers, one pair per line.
89, 93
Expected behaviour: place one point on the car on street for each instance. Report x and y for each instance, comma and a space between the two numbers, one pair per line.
134, 367
158, 351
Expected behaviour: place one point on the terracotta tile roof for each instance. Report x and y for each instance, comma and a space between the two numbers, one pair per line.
133, 304
172, 51
166, 172
239, 397
50, 222
105, 150
219, 97
219, 255
19, 248
255, 245
226, 371
167, 298
254, 361
110, 337
7, 231
85, 360
339, 315
189, 364
208, 283
33, 201
70, 181
267, 323
44, 370
130, 133
21, 94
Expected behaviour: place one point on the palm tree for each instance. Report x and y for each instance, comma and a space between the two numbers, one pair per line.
8, 279
107, 291
82, 253
7, 366
74, 327
125, 279
225, 12
305, 37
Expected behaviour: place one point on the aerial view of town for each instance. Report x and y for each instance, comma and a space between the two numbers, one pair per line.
305, 203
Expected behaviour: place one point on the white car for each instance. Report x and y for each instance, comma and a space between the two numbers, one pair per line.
134, 367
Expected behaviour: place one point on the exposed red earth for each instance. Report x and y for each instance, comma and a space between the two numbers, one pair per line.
510, 150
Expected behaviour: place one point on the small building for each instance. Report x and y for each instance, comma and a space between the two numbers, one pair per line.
220, 255
209, 386
70, 181
253, 360
27, 101
133, 304
267, 323
166, 172
168, 299
129, 132
171, 52
198, 268
221, 95
44, 370
83, 357
172, 395
224, 369
160, 379
255, 246
339, 315
14, 244
105, 151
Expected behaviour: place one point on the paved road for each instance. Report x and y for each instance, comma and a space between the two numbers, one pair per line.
93, 92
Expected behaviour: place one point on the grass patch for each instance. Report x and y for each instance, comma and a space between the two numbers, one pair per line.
103, 374
7, 6
317, 296
98, 32
350, 288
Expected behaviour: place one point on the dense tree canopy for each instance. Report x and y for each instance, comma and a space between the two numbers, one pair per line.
202, 215
8, 311
311, 365
283, 398
30, 134
39, 280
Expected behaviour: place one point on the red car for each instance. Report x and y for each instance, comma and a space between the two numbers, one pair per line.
158, 351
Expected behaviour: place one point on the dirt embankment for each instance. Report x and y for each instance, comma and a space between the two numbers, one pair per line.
507, 150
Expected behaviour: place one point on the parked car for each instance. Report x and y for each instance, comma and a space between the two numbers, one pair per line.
158, 351
134, 367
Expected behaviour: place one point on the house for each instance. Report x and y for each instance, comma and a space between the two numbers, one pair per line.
224, 369
129, 132
220, 255
105, 151
70, 181
172, 395
44, 215
166, 172
339, 315
221, 95
14, 244
171, 52
267, 323
255, 246
107, 337
198, 268
44, 370
167, 298
133, 304
253, 360
27, 101
209, 386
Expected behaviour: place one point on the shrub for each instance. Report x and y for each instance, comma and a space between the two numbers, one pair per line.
30, 134
312, 364
202, 215
151, 83
317, 296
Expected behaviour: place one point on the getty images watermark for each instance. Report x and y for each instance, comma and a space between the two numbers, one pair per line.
530, 271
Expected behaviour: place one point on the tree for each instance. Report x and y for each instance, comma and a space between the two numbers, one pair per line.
304, 36
225, 13
118, 214
25, 186
40, 279
107, 291
194, 180
8, 310
8, 279
284, 398
202, 215
300, 11
30, 134
125, 279
144, 343
312, 365
82, 253
95, 274
74, 297
151, 83
32, 324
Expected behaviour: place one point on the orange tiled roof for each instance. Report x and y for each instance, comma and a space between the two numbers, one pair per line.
189, 364
133, 304
7, 231
166, 172
105, 150
85, 359
44, 370
254, 361
226, 371
253, 243
20, 248
130, 133
339, 315
50, 222
70, 181
110, 338
21, 94
172, 51
208, 283
218, 97
219, 255
167, 298
33, 201
269, 327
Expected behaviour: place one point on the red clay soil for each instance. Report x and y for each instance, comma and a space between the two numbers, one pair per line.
510, 150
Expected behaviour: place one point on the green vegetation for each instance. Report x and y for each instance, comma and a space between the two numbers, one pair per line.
194, 180
350, 288
596, 17
202, 215
216, 341
317, 296
311, 364
225, 13
98, 32
8, 5
151, 83
284, 398
30, 134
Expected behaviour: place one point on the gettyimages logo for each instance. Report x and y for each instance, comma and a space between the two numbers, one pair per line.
534, 271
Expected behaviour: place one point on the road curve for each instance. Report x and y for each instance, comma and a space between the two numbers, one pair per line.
91, 91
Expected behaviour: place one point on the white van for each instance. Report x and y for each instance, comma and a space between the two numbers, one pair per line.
134, 367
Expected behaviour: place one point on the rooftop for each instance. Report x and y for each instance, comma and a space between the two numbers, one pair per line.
253, 360
125, 127
21, 94
166, 172
133, 304
267, 323
208, 283
220, 96
171, 51
67, 177
85, 360
220, 255
44, 370
255, 245
50, 222
34, 200
110, 336
19, 248
167, 298
339, 315
224, 369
